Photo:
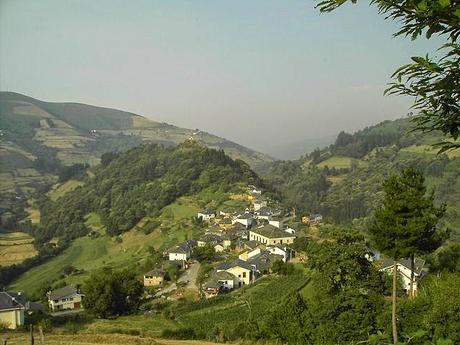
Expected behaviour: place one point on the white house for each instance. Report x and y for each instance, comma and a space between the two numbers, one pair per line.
11, 311
264, 213
206, 214
242, 271
270, 235
245, 219
283, 251
404, 269
290, 231
278, 222
179, 254
219, 281
183, 251
64, 298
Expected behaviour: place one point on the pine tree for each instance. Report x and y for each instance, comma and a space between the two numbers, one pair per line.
406, 224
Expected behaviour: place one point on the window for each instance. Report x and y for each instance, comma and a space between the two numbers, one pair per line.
281, 241
244, 274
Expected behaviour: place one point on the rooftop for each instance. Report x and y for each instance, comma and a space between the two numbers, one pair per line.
237, 263
207, 211
156, 272
271, 231
9, 302
418, 264
62, 292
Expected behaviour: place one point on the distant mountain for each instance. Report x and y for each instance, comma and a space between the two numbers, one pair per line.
37, 138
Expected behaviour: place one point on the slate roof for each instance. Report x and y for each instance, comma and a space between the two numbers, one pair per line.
62, 292
207, 211
178, 249
214, 282
9, 302
184, 247
237, 263
418, 264
264, 260
265, 211
245, 216
211, 238
20, 297
156, 272
251, 244
271, 231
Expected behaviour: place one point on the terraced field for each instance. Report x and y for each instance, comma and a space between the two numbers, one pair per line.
15, 247
88, 254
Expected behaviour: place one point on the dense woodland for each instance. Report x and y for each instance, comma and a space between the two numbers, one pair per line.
126, 187
348, 193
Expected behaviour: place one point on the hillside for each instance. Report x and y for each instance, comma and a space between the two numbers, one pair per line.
127, 187
145, 197
343, 180
38, 138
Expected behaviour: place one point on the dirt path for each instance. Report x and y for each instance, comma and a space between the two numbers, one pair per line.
189, 277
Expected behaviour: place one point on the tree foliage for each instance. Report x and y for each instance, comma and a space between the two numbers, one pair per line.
109, 293
345, 300
407, 221
140, 182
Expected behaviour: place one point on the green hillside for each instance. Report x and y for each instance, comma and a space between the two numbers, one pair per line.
37, 139
144, 198
128, 187
343, 180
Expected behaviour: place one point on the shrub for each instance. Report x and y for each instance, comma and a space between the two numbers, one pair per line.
180, 333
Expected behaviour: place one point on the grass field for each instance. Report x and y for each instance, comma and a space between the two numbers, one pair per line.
89, 254
429, 150
33, 214
143, 324
15, 247
339, 162
60, 189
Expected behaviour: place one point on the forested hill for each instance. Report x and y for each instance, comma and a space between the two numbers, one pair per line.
129, 186
39, 139
343, 181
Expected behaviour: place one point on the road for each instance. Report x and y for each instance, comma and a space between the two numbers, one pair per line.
189, 276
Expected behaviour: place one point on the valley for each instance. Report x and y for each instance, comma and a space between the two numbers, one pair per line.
249, 238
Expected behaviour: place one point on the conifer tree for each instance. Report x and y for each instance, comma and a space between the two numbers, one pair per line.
406, 224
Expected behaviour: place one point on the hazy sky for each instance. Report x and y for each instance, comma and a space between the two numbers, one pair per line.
263, 73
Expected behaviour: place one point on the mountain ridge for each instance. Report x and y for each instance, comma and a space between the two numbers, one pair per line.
38, 138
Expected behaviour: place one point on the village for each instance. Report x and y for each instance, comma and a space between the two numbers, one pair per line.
246, 246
